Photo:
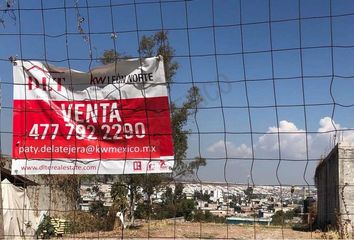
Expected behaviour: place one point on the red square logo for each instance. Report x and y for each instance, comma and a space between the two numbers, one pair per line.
137, 166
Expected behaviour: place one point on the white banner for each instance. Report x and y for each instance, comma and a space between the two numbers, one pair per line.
113, 119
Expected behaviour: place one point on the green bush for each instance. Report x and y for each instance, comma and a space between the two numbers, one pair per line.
45, 229
207, 216
98, 209
142, 211
185, 208
181, 208
279, 217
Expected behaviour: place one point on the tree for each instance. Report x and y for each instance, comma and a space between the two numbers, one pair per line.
125, 195
98, 193
158, 44
249, 193
175, 204
151, 183
168, 196
149, 46
109, 56
119, 191
98, 209
179, 195
202, 196
186, 208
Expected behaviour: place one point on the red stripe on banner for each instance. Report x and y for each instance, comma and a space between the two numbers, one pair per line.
93, 129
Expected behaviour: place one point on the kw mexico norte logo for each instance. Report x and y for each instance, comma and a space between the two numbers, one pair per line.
58, 79
121, 78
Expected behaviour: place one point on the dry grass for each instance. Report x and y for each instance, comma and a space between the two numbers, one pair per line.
187, 230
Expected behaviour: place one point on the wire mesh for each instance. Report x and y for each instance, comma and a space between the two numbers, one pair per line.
259, 95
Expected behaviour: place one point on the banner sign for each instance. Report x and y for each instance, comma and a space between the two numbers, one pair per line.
114, 119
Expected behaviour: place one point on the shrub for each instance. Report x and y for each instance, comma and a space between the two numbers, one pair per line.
280, 216
207, 216
185, 208
86, 222
45, 229
302, 227
98, 209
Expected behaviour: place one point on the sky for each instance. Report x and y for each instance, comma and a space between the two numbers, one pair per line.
263, 67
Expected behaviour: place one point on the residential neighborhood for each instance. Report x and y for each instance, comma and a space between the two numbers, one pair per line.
237, 202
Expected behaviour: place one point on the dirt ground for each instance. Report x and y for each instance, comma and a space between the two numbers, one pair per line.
187, 230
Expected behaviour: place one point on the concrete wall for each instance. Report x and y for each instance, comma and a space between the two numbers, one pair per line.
55, 201
52, 199
327, 181
346, 185
42, 197
335, 188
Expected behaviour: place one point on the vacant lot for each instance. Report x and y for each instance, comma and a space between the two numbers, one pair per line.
188, 230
